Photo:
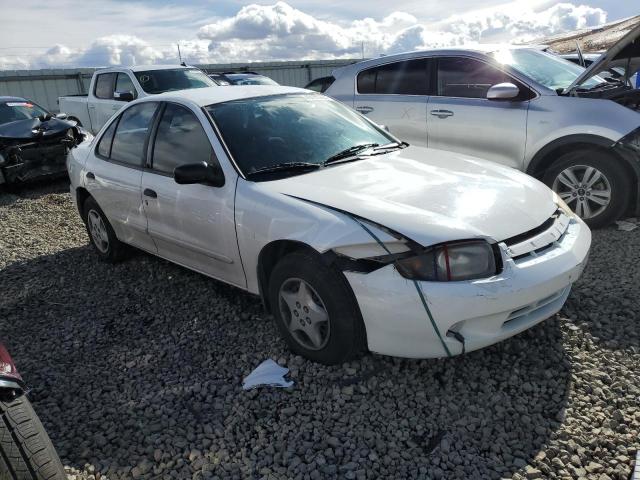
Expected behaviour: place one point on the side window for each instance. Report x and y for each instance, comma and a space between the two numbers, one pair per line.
124, 84
400, 78
180, 139
131, 134
104, 147
104, 85
466, 77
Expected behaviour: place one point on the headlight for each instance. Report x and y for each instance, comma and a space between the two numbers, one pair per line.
451, 262
562, 205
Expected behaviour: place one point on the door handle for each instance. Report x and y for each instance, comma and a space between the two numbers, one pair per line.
364, 109
441, 113
92, 107
91, 176
150, 193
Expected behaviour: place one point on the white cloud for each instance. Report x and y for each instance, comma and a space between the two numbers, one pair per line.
282, 32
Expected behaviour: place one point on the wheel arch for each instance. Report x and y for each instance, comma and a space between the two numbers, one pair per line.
546, 156
269, 256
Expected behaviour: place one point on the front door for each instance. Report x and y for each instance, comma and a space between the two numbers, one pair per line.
395, 95
461, 119
101, 105
192, 225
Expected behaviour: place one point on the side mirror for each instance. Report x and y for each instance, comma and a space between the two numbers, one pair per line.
385, 128
123, 96
503, 91
61, 116
200, 172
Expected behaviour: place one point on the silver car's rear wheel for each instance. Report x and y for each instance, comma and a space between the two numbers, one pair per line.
98, 231
101, 233
585, 189
304, 314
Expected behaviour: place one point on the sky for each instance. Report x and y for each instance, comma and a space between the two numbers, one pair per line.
90, 33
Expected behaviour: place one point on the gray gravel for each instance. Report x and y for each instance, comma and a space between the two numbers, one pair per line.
137, 370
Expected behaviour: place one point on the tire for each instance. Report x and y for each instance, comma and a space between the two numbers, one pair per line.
342, 334
102, 238
584, 166
26, 452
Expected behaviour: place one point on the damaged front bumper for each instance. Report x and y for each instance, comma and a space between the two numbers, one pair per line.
26, 162
529, 289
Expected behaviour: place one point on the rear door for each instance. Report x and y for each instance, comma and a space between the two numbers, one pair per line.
102, 106
114, 174
192, 225
396, 95
461, 119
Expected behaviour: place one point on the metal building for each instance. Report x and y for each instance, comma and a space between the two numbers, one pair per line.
45, 86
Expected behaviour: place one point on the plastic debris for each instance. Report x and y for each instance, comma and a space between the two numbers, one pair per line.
626, 226
267, 374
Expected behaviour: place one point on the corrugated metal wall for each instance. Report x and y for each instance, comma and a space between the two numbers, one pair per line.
45, 86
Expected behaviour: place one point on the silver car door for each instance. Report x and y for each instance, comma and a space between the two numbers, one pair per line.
114, 174
192, 225
462, 119
395, 95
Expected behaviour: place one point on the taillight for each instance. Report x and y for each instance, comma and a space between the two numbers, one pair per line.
7, 367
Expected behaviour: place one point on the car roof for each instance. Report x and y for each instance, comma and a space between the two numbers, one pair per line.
12, 99
141, 68
477, 48
225, 93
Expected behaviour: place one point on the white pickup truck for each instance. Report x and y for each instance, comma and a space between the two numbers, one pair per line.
111, 88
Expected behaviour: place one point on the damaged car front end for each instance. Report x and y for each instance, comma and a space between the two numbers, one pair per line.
33, 142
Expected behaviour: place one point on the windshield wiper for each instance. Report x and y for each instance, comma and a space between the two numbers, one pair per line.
281, 167
390, 146
349, 152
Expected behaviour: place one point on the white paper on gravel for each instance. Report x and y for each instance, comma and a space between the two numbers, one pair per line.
267, 374
626, 226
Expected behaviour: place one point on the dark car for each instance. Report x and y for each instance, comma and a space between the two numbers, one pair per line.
33, 142
320, 84
244, 78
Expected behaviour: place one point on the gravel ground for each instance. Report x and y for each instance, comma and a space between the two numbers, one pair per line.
137, 370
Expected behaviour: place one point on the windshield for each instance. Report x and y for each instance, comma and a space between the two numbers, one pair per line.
547, 69
160, 81
251, 80
19, 110
266, 131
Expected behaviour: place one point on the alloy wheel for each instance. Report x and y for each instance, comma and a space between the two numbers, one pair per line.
304, 314
585, 189
98, 231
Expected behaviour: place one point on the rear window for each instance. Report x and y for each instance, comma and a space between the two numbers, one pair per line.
159, 81
409, 77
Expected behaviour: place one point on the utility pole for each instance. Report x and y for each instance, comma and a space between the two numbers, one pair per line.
179, 54
362, 49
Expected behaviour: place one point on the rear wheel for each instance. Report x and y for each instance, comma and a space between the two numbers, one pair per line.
101, 234
26, 452
592, 183
315, 310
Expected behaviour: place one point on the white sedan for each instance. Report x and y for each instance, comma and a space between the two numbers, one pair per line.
353, 239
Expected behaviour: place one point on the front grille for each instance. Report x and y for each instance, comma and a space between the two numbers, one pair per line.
537, 240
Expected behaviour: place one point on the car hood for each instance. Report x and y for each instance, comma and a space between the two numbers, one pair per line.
429, 196
34, 128
624, 53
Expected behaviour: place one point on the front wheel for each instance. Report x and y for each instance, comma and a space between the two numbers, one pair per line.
26, 452
315, 310
593, 184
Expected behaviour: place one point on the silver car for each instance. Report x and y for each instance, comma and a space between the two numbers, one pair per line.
518, 106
